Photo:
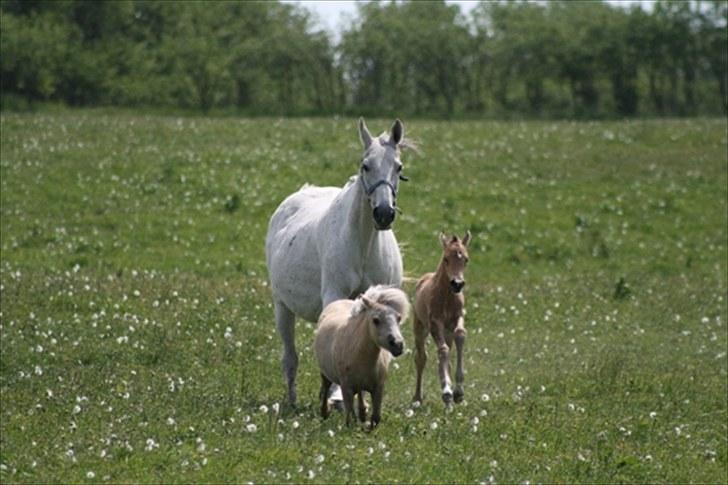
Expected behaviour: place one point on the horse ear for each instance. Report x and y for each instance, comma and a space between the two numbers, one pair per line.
397, 132
367, 302
364, 135
443, 240
466, 238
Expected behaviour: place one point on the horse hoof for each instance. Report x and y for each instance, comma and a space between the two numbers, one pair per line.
337, 404
447, 397
458, 395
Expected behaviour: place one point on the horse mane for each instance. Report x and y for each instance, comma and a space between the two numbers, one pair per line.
404, 144
385, 295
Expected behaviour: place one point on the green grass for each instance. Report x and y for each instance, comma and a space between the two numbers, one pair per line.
137, 333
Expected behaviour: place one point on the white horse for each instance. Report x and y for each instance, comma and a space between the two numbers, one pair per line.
326, 244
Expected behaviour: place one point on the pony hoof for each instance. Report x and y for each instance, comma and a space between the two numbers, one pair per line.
447, 397
336, 404
458, 395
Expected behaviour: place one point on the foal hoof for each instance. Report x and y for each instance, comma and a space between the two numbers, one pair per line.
458, 395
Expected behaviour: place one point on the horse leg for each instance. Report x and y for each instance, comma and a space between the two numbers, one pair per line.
285, 323
420, 356
377, 405
323, 396
459, 376
443, 355
362, 407
335, 395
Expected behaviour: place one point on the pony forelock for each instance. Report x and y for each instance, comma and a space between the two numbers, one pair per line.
389, 296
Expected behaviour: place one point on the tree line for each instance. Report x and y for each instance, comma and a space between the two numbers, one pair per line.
547, 59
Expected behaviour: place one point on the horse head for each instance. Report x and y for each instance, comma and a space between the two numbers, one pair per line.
455, 257
381, 171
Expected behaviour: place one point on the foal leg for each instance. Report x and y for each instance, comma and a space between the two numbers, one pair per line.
459, 344
323, 396
443, 355
285, 323
420, 356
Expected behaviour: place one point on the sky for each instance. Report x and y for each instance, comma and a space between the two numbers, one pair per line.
333, 15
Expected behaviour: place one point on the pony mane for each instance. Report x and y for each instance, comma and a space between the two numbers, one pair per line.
390, 296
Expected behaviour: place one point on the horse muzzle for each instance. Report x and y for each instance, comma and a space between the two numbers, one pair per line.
457, 285
396, 347
383, 216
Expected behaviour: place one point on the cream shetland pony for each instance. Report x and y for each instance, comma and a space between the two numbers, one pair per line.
326, 243
355, 341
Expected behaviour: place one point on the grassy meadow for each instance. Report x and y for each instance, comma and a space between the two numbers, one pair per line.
137, 336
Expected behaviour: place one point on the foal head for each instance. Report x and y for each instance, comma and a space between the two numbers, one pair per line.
381, 171
454, 260
384, 308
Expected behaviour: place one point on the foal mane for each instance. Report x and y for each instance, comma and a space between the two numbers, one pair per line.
389, 296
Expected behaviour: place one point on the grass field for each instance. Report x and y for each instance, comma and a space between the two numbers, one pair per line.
137, 334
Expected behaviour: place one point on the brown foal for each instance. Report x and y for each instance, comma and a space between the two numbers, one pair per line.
439, 305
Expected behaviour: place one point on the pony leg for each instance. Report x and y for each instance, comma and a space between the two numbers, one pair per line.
377, 396
323, 396
348, 394
362, 406
459, 376
420, 356
285, 323
443, 355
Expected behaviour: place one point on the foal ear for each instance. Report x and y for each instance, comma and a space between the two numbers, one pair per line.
364, 135
443, 240
397, 132
466, 238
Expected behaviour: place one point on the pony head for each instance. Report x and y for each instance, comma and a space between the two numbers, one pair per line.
384, 309
381, 171
454, 259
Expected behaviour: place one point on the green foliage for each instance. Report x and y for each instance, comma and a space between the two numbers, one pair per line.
137, 341
548, 59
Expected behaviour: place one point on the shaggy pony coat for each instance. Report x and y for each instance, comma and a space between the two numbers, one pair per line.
354, 344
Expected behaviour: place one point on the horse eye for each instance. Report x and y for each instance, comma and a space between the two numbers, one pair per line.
467, 260
365, 168
399, 168
376, 321
445, 259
